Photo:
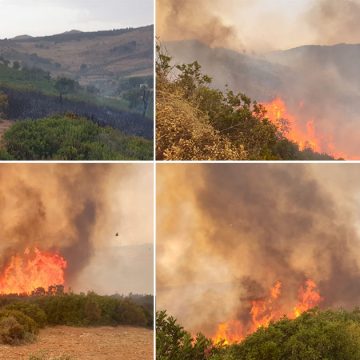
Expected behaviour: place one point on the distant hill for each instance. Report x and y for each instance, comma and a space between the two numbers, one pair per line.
22, 37
255, 76
93, 58
341, 58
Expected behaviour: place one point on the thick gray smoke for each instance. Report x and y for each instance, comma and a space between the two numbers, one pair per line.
232, 231
51, 207
77, 210
186, 19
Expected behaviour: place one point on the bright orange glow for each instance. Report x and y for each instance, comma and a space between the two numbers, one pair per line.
229, 332
33, 269
305, 137
309, 297
264, 311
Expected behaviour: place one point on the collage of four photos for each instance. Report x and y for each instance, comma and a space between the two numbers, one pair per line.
179, 180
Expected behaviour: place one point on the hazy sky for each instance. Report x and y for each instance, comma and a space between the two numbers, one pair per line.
259, 25
47, 17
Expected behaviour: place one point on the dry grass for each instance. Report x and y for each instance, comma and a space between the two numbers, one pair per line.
184, 133
102, 343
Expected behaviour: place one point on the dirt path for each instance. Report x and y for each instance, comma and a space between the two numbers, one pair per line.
4, 125
103, 343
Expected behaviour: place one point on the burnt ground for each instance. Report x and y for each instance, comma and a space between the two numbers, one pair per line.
101, 343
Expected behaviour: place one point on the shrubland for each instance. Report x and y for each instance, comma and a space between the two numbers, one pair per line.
330, 335
69, 137
21, 317
195, 121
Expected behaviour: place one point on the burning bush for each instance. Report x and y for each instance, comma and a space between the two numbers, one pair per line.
198, 122
16, 327
314, 335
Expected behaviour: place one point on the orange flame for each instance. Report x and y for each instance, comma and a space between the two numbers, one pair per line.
264, 311
305, 137
32, 270
309, 297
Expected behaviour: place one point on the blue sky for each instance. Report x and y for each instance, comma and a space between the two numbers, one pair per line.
47, 17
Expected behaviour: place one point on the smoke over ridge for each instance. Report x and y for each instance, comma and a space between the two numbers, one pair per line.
231, 231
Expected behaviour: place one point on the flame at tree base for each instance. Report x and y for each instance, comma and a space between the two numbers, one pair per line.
265, 311
32, 270
306, 134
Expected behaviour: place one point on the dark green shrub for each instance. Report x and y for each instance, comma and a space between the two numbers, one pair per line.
129, 313
71, 138
16, 327
33, 311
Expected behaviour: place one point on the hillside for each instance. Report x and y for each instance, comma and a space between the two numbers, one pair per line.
96, 58
319, 85
196, 121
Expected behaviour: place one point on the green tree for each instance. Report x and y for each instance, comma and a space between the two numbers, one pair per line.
174, 343
65, 86
16, 65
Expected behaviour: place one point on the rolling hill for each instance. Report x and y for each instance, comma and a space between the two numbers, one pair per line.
93, 58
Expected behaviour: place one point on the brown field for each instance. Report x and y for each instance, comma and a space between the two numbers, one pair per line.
102, 343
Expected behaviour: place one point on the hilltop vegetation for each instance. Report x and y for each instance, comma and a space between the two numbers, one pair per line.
111, 110
197, 122
314, 335
22, 317
68, 137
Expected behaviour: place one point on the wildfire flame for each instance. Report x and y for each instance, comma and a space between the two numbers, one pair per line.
31, 270
306, 135
309, 297
264, 311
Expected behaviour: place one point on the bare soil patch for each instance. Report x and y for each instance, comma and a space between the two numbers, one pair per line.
102, 343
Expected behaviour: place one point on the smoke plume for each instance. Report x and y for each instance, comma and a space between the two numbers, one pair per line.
231, 231
74, 210
334, 21
186, 19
